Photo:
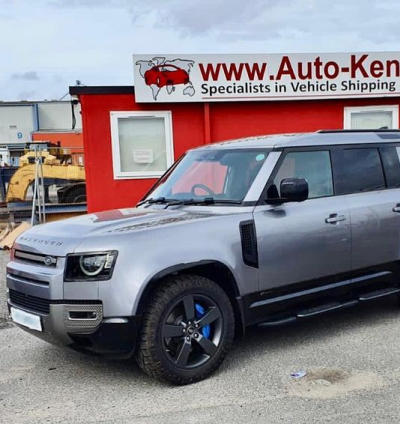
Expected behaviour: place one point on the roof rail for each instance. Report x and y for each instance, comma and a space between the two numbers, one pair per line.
386, 130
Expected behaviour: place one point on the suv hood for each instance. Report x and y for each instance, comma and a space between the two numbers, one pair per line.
61, 237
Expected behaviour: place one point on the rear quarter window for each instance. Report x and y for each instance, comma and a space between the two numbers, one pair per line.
391, 164
358, 170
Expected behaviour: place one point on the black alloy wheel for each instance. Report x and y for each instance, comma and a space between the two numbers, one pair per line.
192, 331
187, 330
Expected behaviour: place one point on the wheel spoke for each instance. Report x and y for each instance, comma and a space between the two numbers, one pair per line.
170, 330
209, 317
184, 353
188, 304
208, 346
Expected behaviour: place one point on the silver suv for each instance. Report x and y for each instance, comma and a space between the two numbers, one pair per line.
264, 230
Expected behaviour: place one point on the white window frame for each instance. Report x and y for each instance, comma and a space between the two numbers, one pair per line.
116, 154
348, 111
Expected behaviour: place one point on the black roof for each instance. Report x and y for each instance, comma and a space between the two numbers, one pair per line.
101, 89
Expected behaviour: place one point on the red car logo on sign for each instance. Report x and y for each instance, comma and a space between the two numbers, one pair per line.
164, 75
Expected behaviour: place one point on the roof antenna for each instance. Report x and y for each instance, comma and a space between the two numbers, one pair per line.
64, 96
78, 83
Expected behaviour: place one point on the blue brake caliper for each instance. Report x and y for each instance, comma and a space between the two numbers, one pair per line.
200, 312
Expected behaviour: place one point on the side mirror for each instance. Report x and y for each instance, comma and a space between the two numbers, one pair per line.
294, 190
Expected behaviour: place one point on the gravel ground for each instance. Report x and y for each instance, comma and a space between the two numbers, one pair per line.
351, 359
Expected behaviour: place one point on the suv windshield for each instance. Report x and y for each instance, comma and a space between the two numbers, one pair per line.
211, 176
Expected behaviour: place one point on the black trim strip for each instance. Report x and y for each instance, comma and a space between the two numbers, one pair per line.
318, 289
357, 131
98, 89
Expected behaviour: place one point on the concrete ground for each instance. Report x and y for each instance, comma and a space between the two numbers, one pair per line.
351, 359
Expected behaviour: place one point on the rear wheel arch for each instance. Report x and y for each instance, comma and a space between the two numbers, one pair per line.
215, 271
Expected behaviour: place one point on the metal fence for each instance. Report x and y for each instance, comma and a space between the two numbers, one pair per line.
48, 184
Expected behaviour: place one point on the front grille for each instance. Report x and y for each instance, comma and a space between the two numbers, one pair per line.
32, 303
42, 306
35, 258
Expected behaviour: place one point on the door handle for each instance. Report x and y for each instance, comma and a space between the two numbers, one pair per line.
396, 208
334, 218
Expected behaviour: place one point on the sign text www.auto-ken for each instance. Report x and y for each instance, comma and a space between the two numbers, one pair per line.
316, 70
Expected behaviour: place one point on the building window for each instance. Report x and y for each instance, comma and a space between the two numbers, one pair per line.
371, 117
141, 144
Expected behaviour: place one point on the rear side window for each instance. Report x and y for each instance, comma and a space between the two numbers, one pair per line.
358, 170
314, 166
391, 164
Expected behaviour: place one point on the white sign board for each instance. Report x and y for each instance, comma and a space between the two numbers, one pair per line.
211, 78
143, 156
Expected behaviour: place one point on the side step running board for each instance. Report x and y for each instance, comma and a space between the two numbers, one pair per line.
379, 293
325, 308
321, 309
282, 321
306, 313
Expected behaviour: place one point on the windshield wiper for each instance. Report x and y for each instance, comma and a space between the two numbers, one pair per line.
210, 201
151, 201
162, 201
175, 202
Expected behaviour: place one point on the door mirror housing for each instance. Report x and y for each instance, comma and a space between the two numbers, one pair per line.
294, 190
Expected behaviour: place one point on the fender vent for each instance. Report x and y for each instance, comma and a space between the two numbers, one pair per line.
249, 243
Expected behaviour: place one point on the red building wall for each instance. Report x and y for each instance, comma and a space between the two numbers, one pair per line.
194, 124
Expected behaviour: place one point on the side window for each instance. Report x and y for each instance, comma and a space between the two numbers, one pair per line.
391, 164
314, 166
358, 170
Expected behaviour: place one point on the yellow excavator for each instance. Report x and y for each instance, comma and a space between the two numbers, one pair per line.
56, 165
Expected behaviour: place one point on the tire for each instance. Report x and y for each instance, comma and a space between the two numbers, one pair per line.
176, 348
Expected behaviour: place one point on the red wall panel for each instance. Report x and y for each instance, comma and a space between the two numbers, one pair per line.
227, 120
233, 120
102, 190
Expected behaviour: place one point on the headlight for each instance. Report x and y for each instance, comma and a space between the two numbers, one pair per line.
90, 266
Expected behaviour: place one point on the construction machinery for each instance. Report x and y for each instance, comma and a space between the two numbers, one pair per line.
58, 165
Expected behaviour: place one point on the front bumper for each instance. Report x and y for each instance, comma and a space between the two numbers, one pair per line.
66, 325
71, 314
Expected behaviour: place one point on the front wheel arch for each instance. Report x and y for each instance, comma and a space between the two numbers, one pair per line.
216, 271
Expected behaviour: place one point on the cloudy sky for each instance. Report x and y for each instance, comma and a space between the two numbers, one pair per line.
46, 45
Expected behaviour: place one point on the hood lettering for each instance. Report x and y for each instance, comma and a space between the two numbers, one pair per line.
164, 221
40, 241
